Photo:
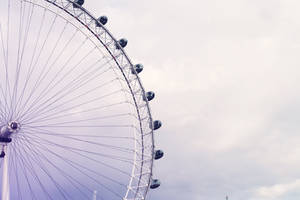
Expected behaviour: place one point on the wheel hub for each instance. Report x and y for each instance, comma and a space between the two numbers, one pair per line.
10, 128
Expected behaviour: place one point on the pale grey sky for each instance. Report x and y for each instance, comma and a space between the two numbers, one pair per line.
226, 74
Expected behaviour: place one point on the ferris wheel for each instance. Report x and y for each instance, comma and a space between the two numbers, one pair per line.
75, 121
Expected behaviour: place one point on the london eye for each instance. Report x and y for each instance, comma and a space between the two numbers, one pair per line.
75, 118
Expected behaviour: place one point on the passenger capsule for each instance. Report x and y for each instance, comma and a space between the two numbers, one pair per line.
149, 96
2, 154
158, 154
156, 124
155, 183
79, 2
122, 42
101, 20
137, 68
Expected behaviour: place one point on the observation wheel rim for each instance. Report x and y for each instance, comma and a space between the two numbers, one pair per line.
140, 190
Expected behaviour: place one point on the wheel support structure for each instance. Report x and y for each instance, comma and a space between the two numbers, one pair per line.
5, 175
5, 138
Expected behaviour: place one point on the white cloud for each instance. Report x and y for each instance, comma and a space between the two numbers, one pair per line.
278, 190
226, 75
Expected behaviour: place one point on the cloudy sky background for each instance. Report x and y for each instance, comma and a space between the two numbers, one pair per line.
226, 75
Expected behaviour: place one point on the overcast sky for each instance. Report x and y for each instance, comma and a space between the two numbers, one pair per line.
226, 75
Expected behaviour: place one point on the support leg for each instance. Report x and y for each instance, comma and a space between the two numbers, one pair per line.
5, 178
95, 195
